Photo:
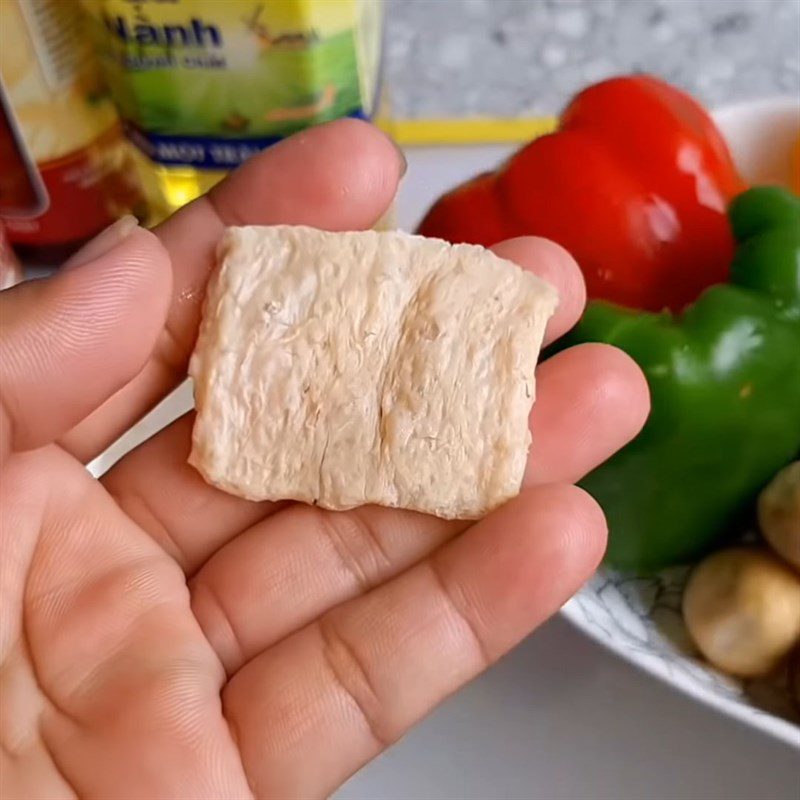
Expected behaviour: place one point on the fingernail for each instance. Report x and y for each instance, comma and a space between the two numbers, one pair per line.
106, 240
401, 156
403, 159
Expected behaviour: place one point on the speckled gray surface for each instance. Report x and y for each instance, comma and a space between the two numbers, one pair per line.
527, 57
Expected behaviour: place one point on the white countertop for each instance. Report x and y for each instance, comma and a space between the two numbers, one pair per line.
561, 718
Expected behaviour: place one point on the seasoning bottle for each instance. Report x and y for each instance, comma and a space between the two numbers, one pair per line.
66, 170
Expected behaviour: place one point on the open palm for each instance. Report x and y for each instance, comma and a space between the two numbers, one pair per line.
162, 639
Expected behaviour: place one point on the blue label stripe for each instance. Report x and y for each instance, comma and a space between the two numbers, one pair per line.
209, 152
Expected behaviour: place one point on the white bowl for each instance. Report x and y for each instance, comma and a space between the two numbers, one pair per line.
639, 617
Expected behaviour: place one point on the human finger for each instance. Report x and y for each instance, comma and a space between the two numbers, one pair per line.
347, 686
338, 176
70, 341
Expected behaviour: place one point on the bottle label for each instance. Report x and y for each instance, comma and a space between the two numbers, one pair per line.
207, 84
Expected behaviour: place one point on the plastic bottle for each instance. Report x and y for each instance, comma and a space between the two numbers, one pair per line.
66, 171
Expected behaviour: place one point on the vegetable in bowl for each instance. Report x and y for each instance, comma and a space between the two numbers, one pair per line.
634, 611
724, 379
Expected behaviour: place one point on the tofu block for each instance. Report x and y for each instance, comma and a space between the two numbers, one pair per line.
342, 369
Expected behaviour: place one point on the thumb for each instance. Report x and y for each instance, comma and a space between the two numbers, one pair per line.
67, 343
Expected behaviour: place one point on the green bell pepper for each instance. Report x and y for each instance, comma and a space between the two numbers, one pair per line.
724, 379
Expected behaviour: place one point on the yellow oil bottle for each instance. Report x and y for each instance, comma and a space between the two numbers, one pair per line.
201, 85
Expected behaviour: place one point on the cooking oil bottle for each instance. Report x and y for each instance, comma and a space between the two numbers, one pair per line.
201, 85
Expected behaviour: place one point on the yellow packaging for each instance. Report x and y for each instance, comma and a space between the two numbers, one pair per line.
203, 84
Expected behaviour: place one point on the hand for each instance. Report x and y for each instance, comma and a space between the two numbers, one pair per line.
162, 639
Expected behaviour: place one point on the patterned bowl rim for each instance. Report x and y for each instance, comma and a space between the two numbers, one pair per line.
764, 721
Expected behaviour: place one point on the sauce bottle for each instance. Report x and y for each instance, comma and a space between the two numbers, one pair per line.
66, 170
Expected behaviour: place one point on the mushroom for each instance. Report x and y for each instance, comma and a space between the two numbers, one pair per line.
742, 608
779, 513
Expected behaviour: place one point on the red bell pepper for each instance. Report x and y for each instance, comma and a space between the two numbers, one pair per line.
635, 183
